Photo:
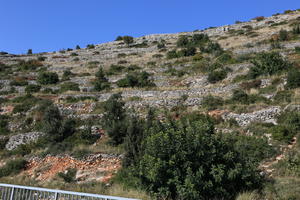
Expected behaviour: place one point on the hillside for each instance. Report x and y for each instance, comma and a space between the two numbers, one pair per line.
59, 121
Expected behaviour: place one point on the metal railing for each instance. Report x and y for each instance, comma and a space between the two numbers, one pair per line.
17, 192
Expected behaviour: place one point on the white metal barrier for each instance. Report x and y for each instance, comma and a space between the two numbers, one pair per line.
17, 192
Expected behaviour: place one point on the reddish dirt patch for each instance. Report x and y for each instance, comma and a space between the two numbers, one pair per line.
98, 167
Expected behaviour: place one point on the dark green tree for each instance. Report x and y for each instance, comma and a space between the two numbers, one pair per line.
186, 161
128, 39
29, 52
101, 82
268, 64
114, 119
46, 78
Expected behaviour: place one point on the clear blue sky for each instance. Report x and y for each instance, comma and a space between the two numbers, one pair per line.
49, 25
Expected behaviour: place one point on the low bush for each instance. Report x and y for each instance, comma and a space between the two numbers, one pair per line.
283, 97
69, 176
19, 81
4, 125
12, 167
69, 86
282, 133
115, 69
136, 79
90, 46
46, 78
211, 102
32, 88
216, 75
29, 65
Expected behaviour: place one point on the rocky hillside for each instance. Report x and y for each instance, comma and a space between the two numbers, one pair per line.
245, 76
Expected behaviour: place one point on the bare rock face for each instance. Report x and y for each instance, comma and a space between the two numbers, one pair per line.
23, 138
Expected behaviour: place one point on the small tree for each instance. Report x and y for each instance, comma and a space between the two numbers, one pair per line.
45, 78
182, 41
268, 64
29, 52
119, 38
128, 39
101, 82
283, 35
114, 119
77, 47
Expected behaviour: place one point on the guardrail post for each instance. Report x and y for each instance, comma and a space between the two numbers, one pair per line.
56, 195
12, 193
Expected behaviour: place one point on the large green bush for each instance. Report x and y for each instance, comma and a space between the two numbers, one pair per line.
189, 162
136, 79
268, 64
46, 78
114, 119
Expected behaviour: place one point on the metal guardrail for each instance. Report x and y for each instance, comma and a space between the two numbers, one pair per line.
17, 192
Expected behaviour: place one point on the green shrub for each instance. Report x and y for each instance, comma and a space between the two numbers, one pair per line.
136, 79
240, 96
119, 38
115, 69
291, 120
41, 58
4, 125
212, 48
282, 133
73, 54
283, 97
189, 51
128, 39
297, 49
296, 29
211, 103
90, 46
172, 54
182, 41
114, 119
46, 78
29, 65
216, 75
101, 82
283, 35
194, 163
12, 167
66, 75
268, 64
69, 86
29, 52
293, 79
18, 82
69, 176
81, 153
32, 88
